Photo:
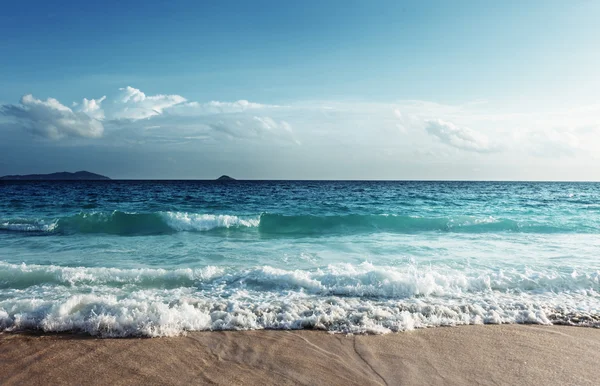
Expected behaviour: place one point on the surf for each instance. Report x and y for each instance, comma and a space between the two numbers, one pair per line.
344, 298
160, 223
128, 224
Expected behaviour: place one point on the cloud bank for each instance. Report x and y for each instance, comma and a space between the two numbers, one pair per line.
403, 131
458, 137
51, 119
133, 104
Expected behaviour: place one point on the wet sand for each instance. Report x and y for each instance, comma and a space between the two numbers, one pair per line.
488, 355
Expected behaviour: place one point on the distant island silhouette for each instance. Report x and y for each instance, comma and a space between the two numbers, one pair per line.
225, 178
60, 176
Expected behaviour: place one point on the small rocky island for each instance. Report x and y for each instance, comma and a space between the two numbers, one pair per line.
225, 178
60, 176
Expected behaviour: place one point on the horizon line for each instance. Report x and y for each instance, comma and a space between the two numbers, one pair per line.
297, 180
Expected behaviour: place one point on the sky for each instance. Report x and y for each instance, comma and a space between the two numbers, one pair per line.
444, 90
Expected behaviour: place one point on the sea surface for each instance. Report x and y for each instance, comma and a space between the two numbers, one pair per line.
158, 258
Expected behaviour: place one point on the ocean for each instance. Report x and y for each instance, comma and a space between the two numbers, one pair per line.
159, 258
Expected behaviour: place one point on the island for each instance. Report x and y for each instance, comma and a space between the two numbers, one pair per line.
225, 178
60, 176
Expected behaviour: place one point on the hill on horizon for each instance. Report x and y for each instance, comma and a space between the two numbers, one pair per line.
59, 176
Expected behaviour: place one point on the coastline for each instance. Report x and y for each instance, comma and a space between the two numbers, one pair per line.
504, 354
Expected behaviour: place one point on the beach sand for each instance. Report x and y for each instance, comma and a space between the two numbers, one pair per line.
508, 354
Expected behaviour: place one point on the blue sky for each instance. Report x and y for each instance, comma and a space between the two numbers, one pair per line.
327, 89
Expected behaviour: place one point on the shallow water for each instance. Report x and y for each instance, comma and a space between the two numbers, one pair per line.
156, 258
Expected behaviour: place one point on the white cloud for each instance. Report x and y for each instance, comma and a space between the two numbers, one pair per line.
403, 126
249, 127
134, 105
241, 105
217, 107
553, 143
458, 137
51, 119
266, 123
281, 128
173, 113
93, 108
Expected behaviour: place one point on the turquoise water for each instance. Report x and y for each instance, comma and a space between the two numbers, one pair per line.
157, 258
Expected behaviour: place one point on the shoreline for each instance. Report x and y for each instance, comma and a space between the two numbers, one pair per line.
490, 354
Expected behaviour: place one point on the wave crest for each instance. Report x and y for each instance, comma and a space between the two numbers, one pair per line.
128, 224
122, 223
181, 221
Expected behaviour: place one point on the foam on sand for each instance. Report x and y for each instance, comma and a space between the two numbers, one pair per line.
347, 298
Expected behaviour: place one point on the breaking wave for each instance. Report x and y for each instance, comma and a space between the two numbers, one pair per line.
339, 298
122, 223
127, 224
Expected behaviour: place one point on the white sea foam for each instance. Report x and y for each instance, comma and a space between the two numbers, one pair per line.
29, 226
146, 313
23, 275
339, 298
182, 221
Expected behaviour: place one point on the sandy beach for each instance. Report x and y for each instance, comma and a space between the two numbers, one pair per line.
509, 354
